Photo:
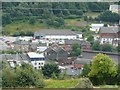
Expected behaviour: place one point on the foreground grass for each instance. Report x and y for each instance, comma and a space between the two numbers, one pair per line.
61, 83
71, 83
107, 86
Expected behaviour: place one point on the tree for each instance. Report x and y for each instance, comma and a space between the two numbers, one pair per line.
102, 70
8, 76
21, 76
90, 39
109, 16
107, 47
76, 50
86, 70
118, 75
32, 21
50, 69
96, 46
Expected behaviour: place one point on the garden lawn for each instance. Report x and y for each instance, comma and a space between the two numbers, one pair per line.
61, 83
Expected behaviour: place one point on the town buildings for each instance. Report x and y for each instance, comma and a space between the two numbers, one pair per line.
56, 52
96, 27
59, 34
115, 8
36, 59
109, 35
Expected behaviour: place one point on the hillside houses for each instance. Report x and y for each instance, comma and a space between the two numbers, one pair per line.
85, 45
109, 35
36, 59
55, 52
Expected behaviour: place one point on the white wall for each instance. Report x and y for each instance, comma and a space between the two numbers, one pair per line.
109, 40
37, 64
60, 36
106, 40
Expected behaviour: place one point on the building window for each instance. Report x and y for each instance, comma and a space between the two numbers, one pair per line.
35, 67
39, 67
39, 63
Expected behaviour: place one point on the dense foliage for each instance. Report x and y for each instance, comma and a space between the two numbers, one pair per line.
51, 71
109, 16
102, 70
86, 70
14, 11
76, 50
96, 46
21, 76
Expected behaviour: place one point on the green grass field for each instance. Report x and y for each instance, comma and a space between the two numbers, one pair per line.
107, 86
61, 83
11, 28
92, 14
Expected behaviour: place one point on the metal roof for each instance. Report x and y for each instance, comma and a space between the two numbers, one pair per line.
81, 42
109, 29
55, 32
35, 55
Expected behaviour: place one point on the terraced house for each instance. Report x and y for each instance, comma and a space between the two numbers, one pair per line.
109, 35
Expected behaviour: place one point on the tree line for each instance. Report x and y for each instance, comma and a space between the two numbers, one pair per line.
14, 11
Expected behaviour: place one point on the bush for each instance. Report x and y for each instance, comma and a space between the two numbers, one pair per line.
85, 83
40, 84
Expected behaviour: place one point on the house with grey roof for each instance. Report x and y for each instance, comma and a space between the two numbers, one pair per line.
84, 44
55, 52
115, 8
109, 35
57, 34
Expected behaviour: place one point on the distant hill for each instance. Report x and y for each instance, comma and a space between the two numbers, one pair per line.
14, 11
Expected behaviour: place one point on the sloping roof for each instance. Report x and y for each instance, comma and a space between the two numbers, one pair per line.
55, 32
81, 42
82, 61
55, 47
21, 42
109, 29
35, 55
96, 26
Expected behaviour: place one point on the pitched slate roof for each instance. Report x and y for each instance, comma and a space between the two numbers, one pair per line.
55, 48
21, 42
109, 29
81, 42
56, 32
82, 61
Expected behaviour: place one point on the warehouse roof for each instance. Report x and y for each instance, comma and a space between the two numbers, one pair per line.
109, 29
56, 32
35, 55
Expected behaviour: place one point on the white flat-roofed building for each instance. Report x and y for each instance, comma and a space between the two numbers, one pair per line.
36, 59
13, 63
24, 38
115, 8
60, 34
96, 27
41, 48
